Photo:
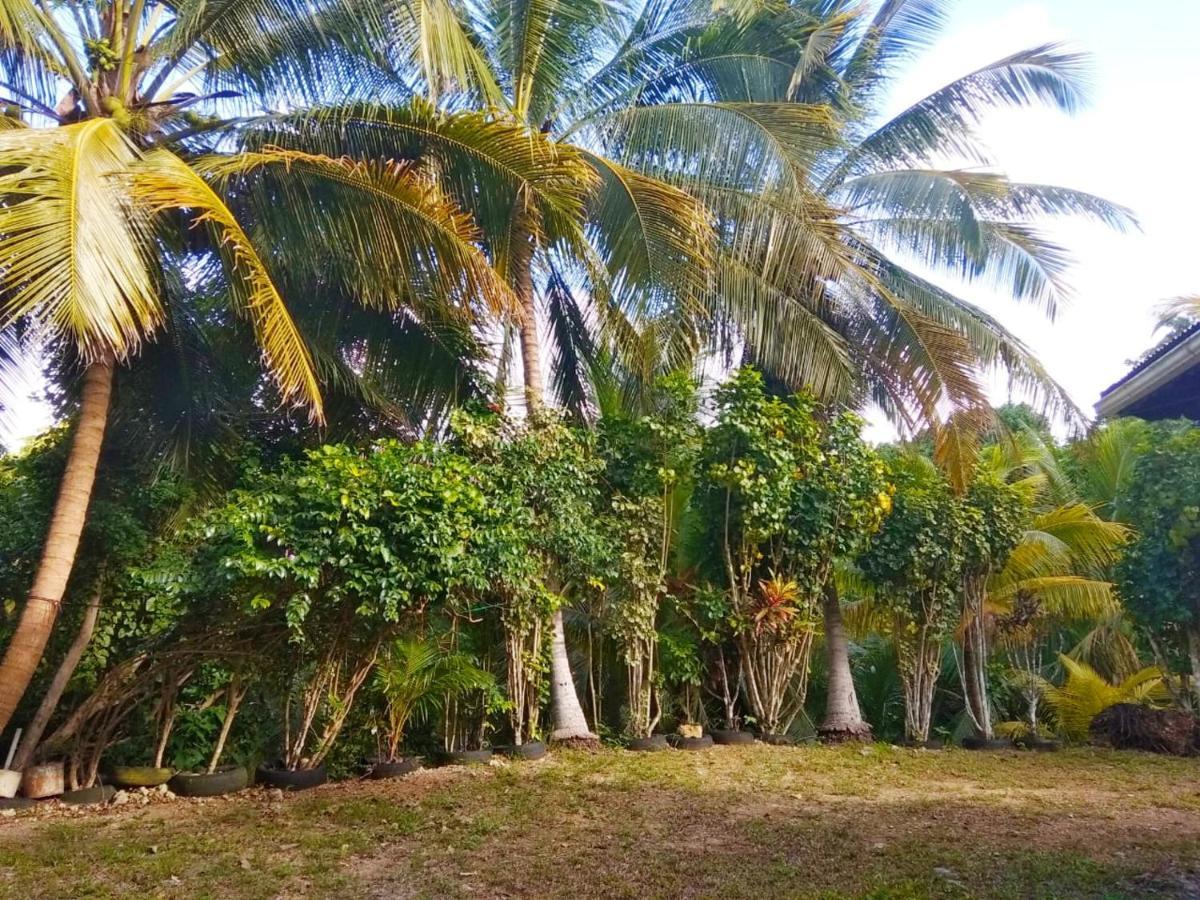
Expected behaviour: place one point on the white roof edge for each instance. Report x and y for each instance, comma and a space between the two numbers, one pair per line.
1167, 367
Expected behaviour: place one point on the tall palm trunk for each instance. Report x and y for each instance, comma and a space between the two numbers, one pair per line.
24, 651
570, 724
843, 716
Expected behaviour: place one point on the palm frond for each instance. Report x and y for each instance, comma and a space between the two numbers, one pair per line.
72, 248
397, 240
165, 182
654, 238
943, 122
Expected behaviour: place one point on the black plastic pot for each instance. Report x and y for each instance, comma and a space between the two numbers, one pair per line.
225, 780
729, 738
776, 740
396, 768
651, 744
291, 779
97, 793
979, 743
466, 757
528, 750
704, 742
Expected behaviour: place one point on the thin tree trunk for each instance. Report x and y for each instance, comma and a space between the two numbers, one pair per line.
843, 716
1193, 642
24, 650
973, 665
235, 695
37, 725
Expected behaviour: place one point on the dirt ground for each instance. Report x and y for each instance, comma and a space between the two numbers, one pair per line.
754, 821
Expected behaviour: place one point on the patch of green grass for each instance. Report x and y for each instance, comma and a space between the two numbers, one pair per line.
740, 822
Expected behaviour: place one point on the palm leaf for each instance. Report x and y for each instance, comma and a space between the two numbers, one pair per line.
165, 182
72, 248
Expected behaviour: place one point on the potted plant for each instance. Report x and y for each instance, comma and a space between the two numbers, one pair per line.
466, 716
707, 609
319, 696
215, 779
166, 712
681, 677
416, 677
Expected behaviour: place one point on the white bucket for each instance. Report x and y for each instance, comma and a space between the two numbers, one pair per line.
10, 781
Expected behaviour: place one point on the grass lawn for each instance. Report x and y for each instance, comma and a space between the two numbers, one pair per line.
731, 822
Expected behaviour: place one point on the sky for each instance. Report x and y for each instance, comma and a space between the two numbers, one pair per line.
1135, 144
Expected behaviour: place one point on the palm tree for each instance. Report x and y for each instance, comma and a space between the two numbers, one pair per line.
113, 212
1056, 571
732, 191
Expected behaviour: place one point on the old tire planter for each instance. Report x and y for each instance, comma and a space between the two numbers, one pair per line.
138, 776
1045, 745
923, 745
693, 744
97, 793
466, 758
291, 779
529, 750
397, 768
225, 780
728, 738
979, 743
16, 803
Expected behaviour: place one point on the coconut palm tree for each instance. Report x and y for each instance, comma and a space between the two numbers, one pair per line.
120, 198
738, 192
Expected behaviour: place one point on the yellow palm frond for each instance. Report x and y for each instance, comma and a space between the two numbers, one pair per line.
72, 248
1086, 693
402, 237
163, 181
1066, 597
956, 445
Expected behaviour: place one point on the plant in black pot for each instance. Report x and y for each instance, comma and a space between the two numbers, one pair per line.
709, 613
205, 776
466, 716
415, 678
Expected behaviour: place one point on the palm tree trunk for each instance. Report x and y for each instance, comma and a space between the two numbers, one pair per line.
24, 651
531, 355
843, 717
570, 724
37, 726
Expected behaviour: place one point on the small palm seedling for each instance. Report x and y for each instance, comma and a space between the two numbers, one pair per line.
417, 678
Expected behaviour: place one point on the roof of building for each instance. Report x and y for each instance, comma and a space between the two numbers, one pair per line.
1161, 349
1159, 379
